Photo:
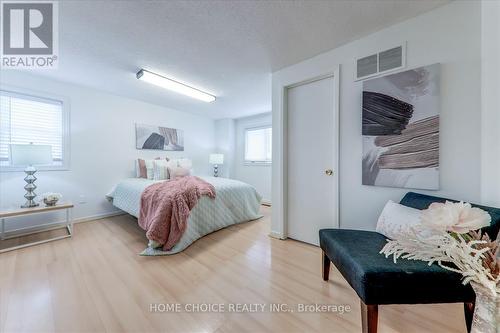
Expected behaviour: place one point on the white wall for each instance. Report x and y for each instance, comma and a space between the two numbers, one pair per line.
102, 145
225, 143
258, 176
490, 93
450, 35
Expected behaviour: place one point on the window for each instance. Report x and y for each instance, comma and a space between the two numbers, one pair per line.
258, 145
28, 119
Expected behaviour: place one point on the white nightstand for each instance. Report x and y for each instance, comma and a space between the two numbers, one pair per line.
68, 206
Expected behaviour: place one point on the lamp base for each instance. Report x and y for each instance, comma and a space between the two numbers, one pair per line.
30, 188
30, 204
216, 170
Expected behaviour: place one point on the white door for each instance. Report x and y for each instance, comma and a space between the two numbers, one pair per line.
312, 149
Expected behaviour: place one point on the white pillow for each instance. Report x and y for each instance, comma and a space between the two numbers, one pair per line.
149, 168
160, 171
137, 169
178, 172
396, 219
171, 164
185, 163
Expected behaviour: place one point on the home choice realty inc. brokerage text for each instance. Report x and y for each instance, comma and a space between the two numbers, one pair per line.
248, 308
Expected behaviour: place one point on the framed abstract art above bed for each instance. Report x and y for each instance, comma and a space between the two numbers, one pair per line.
159, 138
401, 129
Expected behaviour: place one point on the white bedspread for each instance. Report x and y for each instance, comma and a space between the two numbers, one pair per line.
235, 202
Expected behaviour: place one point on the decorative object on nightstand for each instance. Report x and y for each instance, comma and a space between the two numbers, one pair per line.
216, 160
50, 199
29, 155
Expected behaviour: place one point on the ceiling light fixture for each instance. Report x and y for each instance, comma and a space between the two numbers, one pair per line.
173, 85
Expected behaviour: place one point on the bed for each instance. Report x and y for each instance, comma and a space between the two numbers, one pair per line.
235, 202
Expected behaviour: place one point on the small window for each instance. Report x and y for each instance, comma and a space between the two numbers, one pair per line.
28, 119
258, 145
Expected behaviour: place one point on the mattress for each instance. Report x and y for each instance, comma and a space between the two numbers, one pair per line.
235, 202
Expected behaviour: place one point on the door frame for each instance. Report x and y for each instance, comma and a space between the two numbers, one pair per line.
280, 170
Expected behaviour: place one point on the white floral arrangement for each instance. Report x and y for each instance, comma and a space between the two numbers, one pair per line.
449, 233
50, 197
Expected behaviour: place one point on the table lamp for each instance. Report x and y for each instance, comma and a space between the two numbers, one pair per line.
29, 155
216, 160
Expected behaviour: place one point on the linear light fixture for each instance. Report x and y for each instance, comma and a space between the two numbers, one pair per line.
173, 85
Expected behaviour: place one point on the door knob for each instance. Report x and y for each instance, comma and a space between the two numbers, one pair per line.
329, 172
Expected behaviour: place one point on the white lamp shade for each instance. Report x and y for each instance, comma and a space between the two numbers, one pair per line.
23, 155
216, 159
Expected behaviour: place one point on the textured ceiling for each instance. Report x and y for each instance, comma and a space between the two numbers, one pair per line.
227, 48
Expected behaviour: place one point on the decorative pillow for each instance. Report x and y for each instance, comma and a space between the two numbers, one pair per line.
144, 168
396, 220
185, 163
160, 171
137, 169
178, 172
149, 168
171, 164
141, 168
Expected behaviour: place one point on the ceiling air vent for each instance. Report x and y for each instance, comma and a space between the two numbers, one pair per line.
382, 62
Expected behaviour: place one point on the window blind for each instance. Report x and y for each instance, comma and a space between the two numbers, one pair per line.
27, 119
258, 145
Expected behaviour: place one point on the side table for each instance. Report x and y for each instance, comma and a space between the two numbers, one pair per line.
68, 206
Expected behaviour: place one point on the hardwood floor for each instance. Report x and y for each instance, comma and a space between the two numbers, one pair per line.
96, 282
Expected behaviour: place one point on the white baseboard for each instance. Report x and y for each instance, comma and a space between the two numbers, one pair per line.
277, 235
59, 224
99, 216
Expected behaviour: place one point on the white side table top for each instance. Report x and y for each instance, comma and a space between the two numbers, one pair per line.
39, 209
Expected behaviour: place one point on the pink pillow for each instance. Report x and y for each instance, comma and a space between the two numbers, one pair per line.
142, 168
175, 172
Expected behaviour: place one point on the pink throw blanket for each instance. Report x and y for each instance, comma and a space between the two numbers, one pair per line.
165, 208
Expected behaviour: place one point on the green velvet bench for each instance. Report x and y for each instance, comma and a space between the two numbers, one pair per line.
378, 280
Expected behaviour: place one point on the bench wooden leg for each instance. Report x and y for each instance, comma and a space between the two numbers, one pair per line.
469, 314
326, 267
369, 318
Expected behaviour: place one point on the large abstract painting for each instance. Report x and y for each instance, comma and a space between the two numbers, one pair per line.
401, 129
160, 138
